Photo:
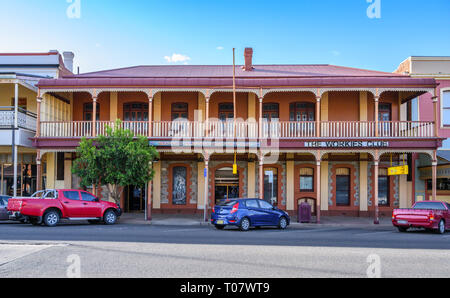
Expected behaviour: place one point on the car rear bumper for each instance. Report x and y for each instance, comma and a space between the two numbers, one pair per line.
413, 224
224, 220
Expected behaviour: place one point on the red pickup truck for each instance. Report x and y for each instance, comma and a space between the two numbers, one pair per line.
50, 206
431, 215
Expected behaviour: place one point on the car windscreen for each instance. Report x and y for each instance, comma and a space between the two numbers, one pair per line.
429, 205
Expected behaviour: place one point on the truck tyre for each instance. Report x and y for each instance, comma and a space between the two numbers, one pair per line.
51, 218
441, 227
110, 217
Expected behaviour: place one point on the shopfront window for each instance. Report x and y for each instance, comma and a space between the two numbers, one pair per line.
179, 184
226, 185
343, 187
271, 185
383, 187
441, 184
306, 180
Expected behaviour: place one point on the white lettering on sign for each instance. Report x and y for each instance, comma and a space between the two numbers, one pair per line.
347, 144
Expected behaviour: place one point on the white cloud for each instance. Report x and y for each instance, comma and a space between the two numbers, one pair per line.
177, 58
220, 48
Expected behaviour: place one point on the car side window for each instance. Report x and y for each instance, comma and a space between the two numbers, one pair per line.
265, 205
87, 197
72, 195
251, 204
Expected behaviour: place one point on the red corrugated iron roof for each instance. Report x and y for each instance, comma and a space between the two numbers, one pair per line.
221, 75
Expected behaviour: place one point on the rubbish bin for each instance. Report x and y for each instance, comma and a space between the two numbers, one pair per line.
304, 213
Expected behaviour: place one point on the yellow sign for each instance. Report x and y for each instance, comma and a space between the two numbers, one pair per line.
401, 170
235, 169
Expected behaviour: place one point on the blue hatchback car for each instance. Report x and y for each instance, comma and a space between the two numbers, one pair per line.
246, 213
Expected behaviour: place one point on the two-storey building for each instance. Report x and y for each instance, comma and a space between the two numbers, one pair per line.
423, 109
19, 75
320, 134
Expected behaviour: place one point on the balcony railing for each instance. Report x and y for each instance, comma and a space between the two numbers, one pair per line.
25, 119
248, 130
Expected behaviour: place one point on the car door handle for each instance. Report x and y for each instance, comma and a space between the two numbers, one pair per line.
85, 203
66, 202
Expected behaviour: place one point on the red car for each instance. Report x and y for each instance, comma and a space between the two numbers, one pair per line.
431, 215
50, 206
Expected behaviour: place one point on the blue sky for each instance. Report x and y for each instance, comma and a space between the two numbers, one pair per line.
117, 33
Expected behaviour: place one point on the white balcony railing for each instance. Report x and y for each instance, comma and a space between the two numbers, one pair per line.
248, 130
25, 119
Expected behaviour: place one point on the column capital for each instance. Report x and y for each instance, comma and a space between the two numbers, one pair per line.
94, 98
207, 98
260, 99
39, 99
376, 163
150, 99
435, 98
376, 98
318, 98
318, 163
434, 163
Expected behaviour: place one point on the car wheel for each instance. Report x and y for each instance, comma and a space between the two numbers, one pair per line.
110, 217
245, 224
402, 229
51, 218
282, 224
441, 227
219, 227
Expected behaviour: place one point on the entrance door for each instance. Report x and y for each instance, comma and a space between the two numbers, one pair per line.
134, 199
226, 185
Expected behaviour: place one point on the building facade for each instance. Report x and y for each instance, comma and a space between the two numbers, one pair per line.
422, 109
19, 75
320, 134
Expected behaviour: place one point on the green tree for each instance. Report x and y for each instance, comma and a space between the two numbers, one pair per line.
116, 160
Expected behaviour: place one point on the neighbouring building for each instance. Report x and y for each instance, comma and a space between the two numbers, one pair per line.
320, 134
422, 109
19, 75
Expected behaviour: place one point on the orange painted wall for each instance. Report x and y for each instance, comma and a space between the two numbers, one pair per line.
126, 97
225, 97
79, 99
343, 106
168, 98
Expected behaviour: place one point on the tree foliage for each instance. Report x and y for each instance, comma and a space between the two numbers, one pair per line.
117, 159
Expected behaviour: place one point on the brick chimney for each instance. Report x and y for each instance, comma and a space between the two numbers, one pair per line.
248, 54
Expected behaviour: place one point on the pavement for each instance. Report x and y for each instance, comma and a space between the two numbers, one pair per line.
196, 220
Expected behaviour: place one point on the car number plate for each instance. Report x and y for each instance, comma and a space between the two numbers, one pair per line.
220, 222
403, 222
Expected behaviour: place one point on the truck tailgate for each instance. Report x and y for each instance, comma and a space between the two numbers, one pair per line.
413, 215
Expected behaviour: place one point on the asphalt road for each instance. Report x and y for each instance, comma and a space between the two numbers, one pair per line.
126, 250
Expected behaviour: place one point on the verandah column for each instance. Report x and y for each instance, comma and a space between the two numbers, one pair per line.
206, 175
436, 111
377, 98
434, 176
38, 170
150, 114
261, 175
38, 115
260, 132
318, 186
375, 188
94, 115
318, 98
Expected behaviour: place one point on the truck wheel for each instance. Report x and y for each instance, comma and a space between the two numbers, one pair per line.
441, 227
51, 218
110, 217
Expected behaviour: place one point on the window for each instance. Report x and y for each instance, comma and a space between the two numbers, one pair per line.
302, 111
306, 180
88, 197
383, 188
179, 177
179, 111
265, 205
72, 195
88, 112
271, 111
441, 184
226, 111
251, 204
342, 187
135, 111
384, 112
446, 109
271, 185
429, 205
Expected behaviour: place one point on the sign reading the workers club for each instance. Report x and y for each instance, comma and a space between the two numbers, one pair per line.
348, 144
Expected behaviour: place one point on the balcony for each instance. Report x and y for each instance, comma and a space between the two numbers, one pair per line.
248, 130
25, 119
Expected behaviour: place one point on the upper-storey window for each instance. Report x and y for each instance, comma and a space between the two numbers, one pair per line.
446, 109
179, 111
271, 111
384, 112
302, 111
135, 111
88, 112
226, 111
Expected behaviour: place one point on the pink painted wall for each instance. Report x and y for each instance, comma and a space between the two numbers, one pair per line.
426, 108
